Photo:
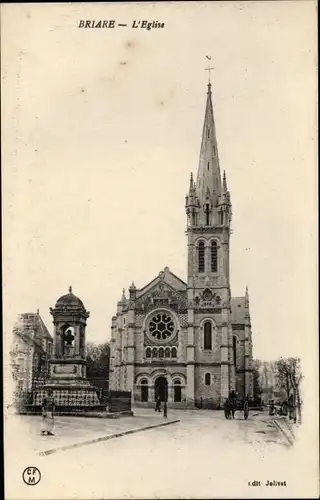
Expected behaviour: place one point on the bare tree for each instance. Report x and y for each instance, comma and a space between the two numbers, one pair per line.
289, 376
97, 357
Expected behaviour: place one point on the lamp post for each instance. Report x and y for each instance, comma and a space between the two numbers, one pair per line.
165, 399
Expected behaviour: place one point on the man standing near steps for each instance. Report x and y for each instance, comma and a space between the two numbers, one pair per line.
48, 408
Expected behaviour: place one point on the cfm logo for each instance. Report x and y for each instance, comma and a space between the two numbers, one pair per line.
31, 476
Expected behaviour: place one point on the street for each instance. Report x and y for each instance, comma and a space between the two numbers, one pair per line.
202, 456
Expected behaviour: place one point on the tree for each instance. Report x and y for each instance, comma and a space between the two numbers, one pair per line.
289, 376
257, 389
98, 356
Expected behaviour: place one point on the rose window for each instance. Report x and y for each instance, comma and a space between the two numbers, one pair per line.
161, 326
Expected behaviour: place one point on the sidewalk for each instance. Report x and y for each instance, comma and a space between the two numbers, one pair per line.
71, 432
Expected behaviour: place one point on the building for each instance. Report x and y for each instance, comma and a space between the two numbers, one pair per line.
269, 383
30, 352
189, 341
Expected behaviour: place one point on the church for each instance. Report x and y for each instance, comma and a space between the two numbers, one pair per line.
188, 342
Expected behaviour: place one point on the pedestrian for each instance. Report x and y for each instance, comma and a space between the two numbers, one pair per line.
226, 408
48, 408
246, 408
158, 404
271, 408
233, 403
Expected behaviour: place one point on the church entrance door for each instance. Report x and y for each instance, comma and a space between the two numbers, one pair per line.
161, 389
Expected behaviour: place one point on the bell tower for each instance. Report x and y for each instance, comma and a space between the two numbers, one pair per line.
208, 209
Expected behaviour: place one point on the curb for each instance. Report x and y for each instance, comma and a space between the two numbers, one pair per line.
279, 427
106, 438
290, 429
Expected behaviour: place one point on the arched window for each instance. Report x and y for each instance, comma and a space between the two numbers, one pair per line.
167, 352
201, 257
234, 347
174, 352
214, 256
207, 344
207, 379
144, 390
177, 391
154, 352
161, 352
148, 352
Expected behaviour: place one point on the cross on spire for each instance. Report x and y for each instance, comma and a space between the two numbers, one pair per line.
209, 68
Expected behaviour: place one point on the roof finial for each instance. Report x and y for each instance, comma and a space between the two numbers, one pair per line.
191, 181
209, 69
224, 181
70, 289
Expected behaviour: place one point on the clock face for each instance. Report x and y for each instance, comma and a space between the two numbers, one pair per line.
161, 326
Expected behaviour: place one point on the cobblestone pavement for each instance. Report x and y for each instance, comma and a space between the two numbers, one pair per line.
203, 456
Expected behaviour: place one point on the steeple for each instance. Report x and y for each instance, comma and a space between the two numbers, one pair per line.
209, 179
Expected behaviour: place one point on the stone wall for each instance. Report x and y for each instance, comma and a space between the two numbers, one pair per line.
208, 392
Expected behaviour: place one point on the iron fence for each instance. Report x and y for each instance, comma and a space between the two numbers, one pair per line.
75, 400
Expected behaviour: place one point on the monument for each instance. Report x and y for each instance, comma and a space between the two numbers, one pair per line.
67, 369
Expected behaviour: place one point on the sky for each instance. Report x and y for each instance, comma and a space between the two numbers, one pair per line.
103, 127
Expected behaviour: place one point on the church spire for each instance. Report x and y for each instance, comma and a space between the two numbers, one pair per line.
209, 178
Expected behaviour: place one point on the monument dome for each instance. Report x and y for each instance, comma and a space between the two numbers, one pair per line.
69, 300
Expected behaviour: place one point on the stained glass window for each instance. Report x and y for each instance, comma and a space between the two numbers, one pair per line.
161, 326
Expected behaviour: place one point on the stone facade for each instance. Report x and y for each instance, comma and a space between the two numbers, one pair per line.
30, 352
188, 342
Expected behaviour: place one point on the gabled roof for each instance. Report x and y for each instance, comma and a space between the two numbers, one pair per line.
167, 277
28, 322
